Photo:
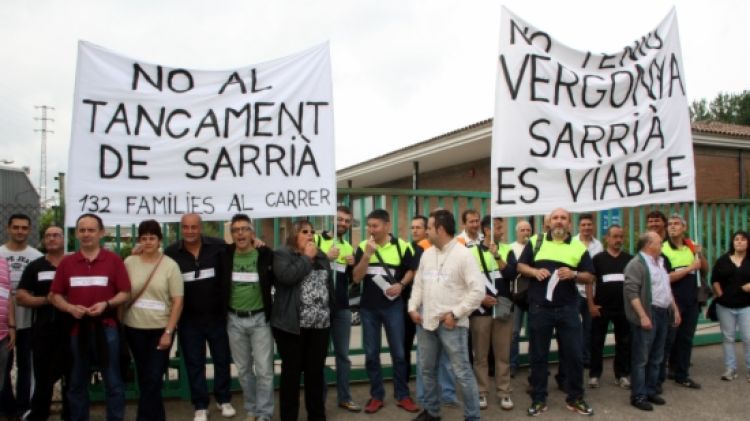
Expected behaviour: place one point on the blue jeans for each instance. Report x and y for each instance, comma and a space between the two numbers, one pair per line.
446, 379
730, 319
193, 338
646, 354
341, 330
392, 319
78, 392
251, 341
518, 316
150, 365
679, 347
566, 322
453, 343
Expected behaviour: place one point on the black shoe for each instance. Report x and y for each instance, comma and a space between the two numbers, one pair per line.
425, 416
689, 383
656, 400
642, 404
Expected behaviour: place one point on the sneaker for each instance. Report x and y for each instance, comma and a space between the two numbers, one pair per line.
537, 408
506, 403
580, 406
642, 404
350, 406
729, 375
201, 415
408, 405
227, 410
483, 404
594, 382
624, 382
373, 406
689, 383
425, 416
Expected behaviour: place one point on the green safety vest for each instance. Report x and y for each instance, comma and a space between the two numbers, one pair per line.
325, 244
678, 258
503, 250
568, 254
391, 253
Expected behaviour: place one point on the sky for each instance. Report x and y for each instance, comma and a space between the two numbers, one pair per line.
403, 70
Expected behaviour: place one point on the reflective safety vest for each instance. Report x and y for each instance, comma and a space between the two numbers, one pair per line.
392, 252
678, 258
325, 243
568, 254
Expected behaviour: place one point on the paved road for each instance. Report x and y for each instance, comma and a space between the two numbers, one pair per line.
717, 401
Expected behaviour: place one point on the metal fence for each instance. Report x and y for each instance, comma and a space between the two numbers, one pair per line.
714, 226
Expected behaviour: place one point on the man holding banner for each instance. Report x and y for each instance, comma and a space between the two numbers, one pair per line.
558, 266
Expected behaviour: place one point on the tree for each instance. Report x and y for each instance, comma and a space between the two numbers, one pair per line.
726, 107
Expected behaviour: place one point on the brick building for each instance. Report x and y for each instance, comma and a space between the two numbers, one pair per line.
459, 160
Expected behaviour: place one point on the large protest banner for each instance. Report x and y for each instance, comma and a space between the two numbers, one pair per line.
589, 131
150, 141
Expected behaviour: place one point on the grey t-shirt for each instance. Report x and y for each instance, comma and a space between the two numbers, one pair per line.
17, 261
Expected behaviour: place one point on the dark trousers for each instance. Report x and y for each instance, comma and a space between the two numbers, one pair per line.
21, 402
543, 322
679, 346
583, 309
303, 353
647, 353
193, 337
410, 332
51, 350
150, 365
599, 326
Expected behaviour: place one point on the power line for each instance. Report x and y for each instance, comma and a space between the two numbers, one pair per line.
43, 165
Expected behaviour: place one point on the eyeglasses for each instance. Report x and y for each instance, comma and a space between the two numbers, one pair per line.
53, 235
305, 231
237, 230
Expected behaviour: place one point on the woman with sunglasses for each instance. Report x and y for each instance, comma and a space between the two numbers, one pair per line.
301, 319
150, 317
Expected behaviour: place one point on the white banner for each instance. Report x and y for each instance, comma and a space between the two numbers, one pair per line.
589, 131
150, 141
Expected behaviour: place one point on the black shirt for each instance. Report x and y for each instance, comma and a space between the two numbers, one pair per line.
610, 278
37, 279
206, 291
373, 296
732, 278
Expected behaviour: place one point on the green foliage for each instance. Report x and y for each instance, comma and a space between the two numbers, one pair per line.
726, 107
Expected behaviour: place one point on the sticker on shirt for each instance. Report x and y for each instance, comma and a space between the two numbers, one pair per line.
613, 277
88, 281
496, 274
147, 304
376, 270
45, 276
4, 293
384, 285
339, 267
202, 274
245, 277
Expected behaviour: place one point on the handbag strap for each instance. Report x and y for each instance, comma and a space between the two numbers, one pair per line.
148, 281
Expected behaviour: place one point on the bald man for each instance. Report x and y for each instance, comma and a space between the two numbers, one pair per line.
204, 316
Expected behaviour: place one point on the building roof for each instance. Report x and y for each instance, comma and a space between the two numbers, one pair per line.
473, 142
16, 187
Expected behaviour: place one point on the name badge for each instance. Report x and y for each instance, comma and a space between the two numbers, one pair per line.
147, 304
339, 267
613, 277
45, 276
245, 277
4, 292
203, 274
496, 274
88, 281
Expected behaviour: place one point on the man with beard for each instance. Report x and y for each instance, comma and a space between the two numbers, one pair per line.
557, 267
341, 254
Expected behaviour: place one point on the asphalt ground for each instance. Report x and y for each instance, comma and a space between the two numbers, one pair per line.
717, 400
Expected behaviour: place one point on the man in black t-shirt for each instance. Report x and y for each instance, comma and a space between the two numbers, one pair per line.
49, 329
606, 305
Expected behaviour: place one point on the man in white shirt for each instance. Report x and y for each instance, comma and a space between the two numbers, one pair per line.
19, 254
471, 235
649, 307
449, 287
